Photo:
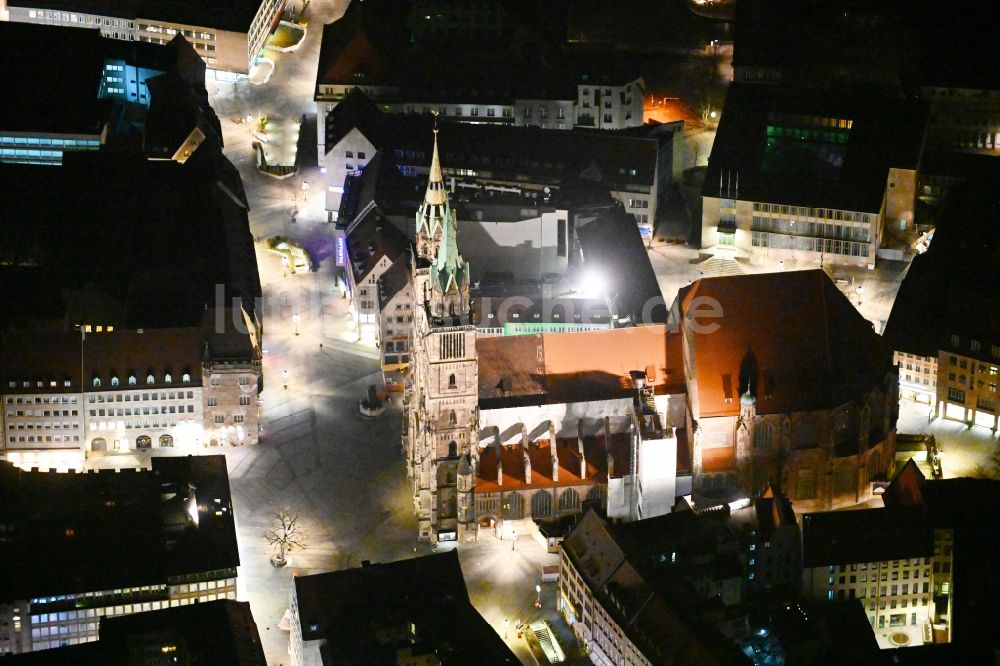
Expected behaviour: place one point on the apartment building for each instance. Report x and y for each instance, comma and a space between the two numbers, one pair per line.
899, 561
944, 321
808, 178
395, 302
897, 575
620, 588
374, 246
499, 160
918, 376
967, 380
227, 36
80, 547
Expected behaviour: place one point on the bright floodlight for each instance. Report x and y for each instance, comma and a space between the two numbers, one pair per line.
192, 509
592, 282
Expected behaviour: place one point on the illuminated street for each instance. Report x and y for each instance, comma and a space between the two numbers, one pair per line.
963, 448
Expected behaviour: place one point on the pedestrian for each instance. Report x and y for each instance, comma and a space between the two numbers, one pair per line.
321, 346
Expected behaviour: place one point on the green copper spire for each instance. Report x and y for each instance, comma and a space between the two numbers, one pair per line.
449, 269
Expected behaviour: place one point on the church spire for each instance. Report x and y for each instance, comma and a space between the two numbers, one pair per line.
435, 210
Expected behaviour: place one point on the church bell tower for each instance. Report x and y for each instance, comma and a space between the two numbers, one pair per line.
442, 405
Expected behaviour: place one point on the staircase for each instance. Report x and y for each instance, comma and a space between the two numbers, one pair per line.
719, 266
550, 647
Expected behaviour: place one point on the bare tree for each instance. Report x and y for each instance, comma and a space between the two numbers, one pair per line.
285, 536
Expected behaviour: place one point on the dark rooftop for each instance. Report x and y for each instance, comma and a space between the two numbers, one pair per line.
500, 151
371, 239
221, 633
631, 570
71, 533
394, 280
370, 45
811, 150
157, 251
950, 290
27, 79
420, 603
865, 535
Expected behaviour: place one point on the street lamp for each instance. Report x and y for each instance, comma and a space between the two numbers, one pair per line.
538, 596
295, 320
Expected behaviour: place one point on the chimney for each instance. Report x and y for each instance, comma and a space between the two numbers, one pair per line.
499, 451
527, 462
554, 452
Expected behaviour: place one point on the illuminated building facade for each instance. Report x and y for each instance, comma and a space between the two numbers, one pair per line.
85, 546
227, 36
795, 177
142, 389
898, 561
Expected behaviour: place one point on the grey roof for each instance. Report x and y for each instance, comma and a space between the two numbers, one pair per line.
370, 239
394, 280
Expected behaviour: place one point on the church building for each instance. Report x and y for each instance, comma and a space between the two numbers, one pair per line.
784, 383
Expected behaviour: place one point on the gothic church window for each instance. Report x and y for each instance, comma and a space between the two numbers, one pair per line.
569, 500
763, 437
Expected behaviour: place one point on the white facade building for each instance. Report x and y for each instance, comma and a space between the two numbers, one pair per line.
228, 41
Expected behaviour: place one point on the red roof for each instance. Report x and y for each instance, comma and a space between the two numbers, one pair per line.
793, 335
567, 451
576, 367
